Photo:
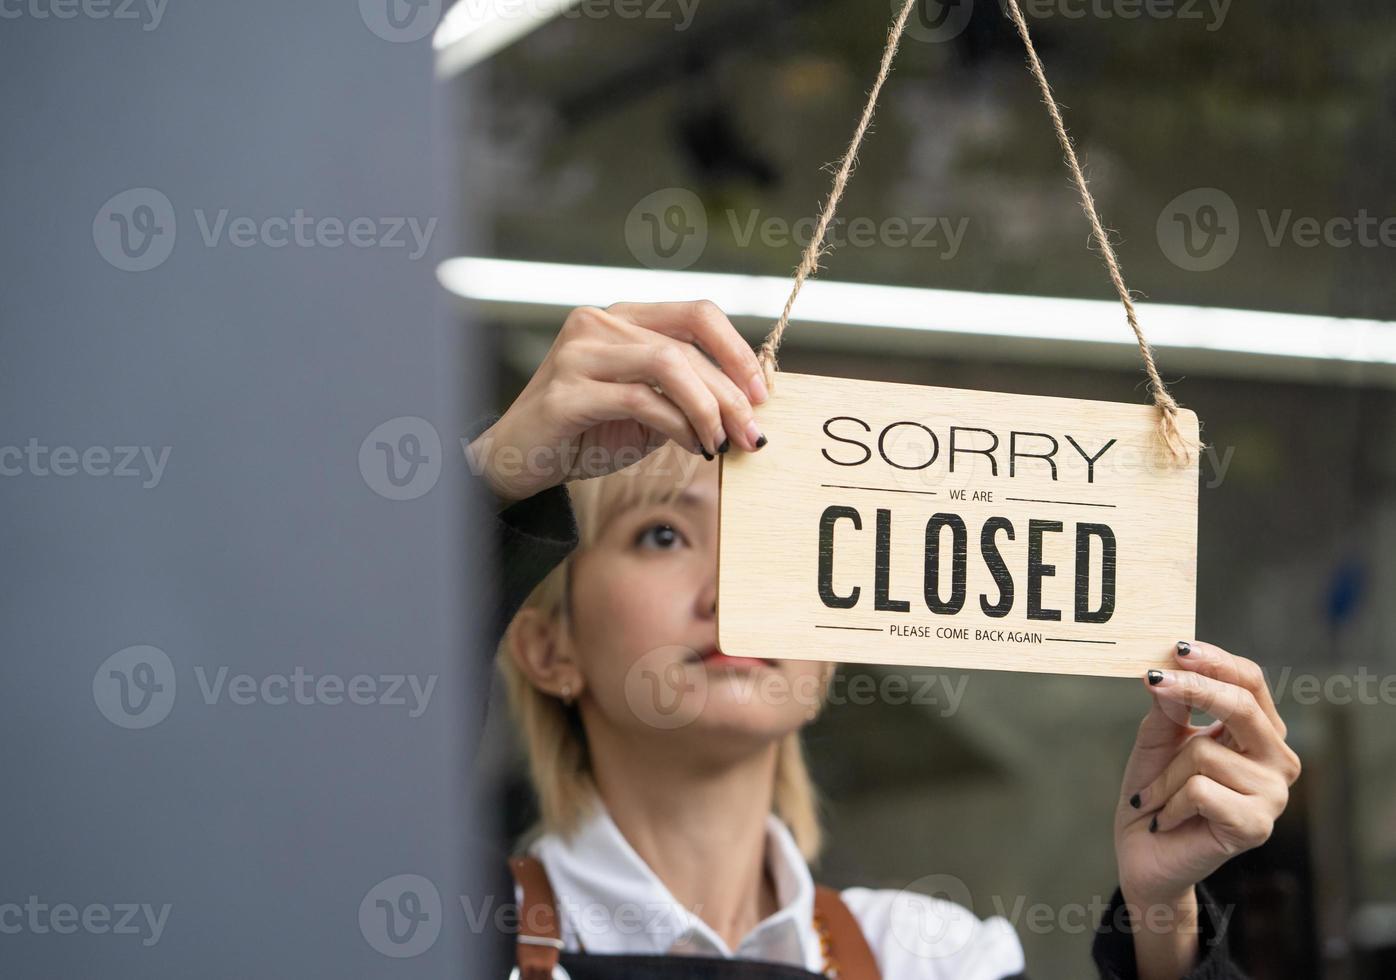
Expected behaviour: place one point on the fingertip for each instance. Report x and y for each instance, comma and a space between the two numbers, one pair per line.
755, 440
756, 388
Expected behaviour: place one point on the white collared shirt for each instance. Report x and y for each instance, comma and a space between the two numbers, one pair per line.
612, 903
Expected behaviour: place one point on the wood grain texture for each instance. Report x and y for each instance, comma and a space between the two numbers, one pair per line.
871, 464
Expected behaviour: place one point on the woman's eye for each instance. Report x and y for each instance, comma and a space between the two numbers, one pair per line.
660, 536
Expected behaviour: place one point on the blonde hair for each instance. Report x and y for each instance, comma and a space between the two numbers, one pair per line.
558, 759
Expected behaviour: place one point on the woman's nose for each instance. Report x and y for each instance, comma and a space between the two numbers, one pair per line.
706, 607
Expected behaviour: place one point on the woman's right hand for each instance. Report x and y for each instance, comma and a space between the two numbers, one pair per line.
615, 386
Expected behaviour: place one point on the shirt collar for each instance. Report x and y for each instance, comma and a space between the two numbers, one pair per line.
612, 903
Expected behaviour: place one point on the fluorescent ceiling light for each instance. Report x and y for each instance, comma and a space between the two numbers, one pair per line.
894, 317
474, 30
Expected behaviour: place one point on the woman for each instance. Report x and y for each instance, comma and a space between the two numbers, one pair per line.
677, 814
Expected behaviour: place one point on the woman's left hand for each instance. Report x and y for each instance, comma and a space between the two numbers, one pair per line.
1195, 796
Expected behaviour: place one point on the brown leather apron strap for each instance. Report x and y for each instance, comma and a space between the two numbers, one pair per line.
849, 954
539, 943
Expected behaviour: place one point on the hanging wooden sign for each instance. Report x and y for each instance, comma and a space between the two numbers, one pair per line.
897, 524
894, 524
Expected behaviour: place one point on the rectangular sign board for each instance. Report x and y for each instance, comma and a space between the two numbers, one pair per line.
898, 524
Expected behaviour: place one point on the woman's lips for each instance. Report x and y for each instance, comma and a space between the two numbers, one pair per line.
715, 657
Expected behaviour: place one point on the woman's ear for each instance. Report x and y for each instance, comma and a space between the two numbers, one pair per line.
540, 649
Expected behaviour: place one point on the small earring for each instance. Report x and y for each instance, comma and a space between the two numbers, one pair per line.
567, 694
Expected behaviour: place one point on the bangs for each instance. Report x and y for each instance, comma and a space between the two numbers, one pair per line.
659, 478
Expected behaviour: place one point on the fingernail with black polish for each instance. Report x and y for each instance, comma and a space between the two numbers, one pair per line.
1155, 677
706, 455
1184, 648
726, 445
760, 442
1134, 801
1153, 825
